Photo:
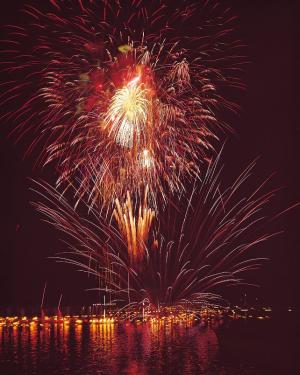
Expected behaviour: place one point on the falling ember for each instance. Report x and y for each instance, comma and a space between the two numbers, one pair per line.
134, 229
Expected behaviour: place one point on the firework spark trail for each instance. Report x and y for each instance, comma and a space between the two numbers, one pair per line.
127, 93
134, 229
207, 248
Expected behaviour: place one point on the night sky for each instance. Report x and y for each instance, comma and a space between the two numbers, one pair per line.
266, 126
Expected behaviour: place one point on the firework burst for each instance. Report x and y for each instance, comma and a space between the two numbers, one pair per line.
186, 260
124, 99
127, 92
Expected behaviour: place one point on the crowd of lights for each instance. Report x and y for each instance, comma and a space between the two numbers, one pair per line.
166, 316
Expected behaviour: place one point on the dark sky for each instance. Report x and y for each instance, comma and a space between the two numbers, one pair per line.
267, 126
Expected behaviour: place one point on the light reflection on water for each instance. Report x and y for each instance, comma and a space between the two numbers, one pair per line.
113, 349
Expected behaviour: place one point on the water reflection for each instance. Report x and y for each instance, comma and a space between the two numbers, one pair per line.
141, 348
